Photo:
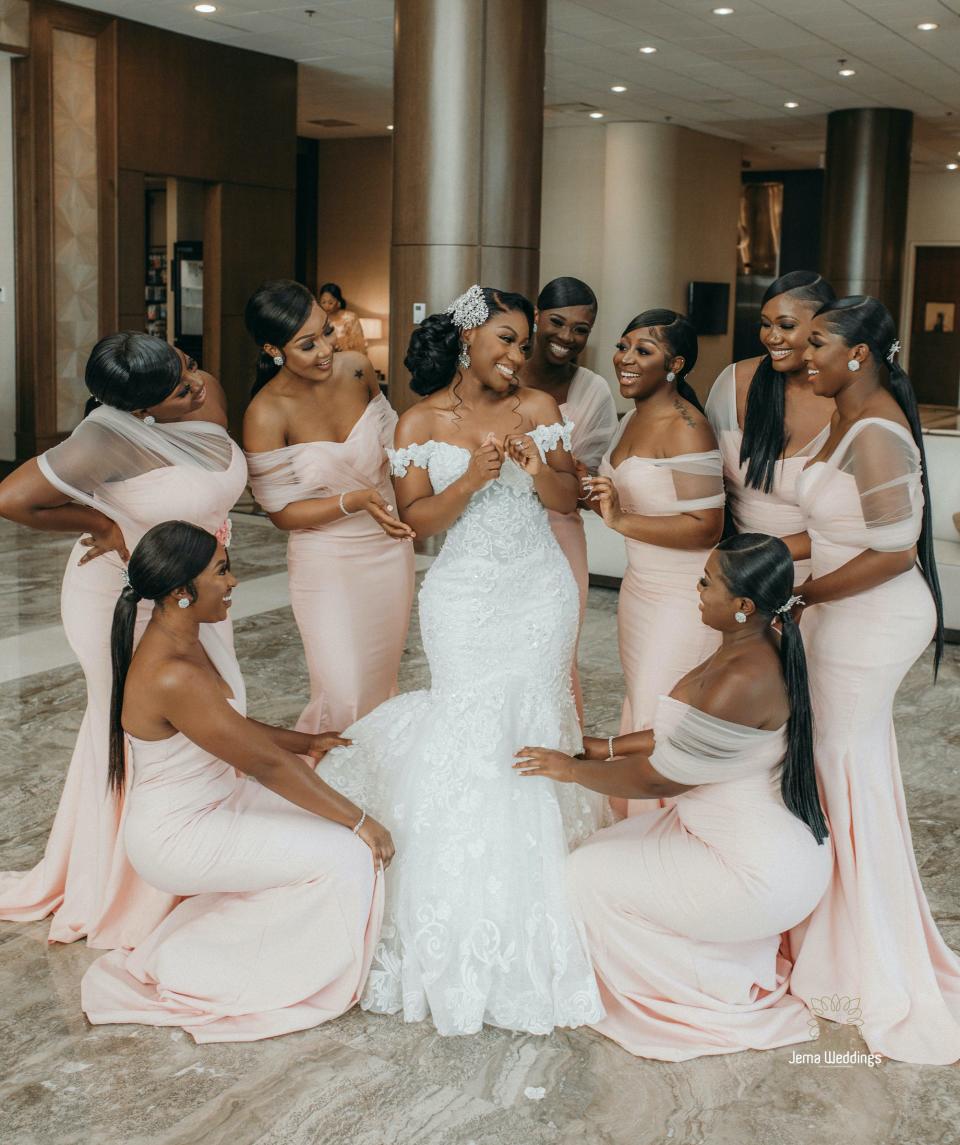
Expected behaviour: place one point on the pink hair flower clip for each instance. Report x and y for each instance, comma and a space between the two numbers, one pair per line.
225, 533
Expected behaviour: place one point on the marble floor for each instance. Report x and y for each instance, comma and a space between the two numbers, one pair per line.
366, 1080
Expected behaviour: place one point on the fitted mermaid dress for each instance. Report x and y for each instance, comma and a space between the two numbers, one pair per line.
477, 927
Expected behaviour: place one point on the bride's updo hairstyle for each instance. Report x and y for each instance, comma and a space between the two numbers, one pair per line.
131, 370
676, 335
760, 568
862, 320
764, 437
168, 557
274, 313
435, 344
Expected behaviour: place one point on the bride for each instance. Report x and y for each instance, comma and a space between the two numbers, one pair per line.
477, 927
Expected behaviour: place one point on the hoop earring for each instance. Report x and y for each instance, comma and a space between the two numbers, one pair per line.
463, 358
853, 365
740, 617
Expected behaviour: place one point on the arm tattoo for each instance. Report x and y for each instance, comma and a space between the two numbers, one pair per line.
684, 413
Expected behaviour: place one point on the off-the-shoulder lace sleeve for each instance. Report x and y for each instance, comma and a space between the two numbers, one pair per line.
401, 459
885, 463
548, 437
694, 748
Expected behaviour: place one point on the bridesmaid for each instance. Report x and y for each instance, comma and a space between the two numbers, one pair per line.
872, 608
315, 434
342, 329
661, 486
767, 417
286, 904
565, 313
684, 906
157, 442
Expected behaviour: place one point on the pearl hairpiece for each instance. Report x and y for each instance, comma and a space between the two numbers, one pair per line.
893, 351
470, 309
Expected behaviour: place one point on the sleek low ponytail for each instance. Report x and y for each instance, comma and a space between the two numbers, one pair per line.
862, 319
168, 557
676, 333
273, 314
760, 568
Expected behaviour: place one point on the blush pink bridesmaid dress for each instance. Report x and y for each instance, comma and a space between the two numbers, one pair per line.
591, 409
872, 941
284, 911
196, 473
776, 513
660, 632
683, 906
351, 586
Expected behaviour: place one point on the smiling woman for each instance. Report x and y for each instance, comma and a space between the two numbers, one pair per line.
155, 445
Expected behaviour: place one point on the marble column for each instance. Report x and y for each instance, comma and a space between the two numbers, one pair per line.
865, 202
467, 147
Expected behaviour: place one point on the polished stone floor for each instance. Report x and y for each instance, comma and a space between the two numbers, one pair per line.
367, 1080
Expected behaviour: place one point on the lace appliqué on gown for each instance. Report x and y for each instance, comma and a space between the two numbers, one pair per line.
477, 927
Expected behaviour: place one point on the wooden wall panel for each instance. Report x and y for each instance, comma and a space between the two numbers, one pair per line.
200, 110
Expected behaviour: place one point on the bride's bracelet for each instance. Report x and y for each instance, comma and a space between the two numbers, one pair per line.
610, 752
360, 823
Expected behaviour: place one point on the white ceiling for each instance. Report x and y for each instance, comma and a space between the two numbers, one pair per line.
727, 75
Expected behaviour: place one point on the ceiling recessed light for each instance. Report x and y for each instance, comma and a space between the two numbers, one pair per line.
791, 103
928, 26
952, 166
846, 72
618, 88
647, 50
596, 115
205, 8
723, 11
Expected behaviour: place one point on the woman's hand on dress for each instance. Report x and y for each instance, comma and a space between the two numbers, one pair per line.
545, 763
603, 494
380, 842
324, 742
485, 463
109, 539
370, 501
521, 448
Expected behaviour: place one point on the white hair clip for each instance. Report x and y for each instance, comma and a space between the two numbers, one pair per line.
893, 351
125, 577
470, 309
790, 605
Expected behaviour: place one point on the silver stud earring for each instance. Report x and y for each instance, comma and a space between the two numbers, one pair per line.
463, 358
739, 617
278, 359
183, 602
853, 365
149, 420
671, 376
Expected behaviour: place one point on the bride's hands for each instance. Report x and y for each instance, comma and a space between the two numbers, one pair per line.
485, 463
324, 742
546, 763
521, 449
370, 501
380, 842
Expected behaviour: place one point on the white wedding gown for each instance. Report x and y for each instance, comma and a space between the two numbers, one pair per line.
476, 926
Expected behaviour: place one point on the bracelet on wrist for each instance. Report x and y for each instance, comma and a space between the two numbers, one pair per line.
343, 508
360, 822
610, 752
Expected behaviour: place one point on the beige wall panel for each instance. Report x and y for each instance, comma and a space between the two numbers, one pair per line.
510, 268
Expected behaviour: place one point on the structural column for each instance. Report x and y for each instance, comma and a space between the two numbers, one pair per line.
865, 202
467, 153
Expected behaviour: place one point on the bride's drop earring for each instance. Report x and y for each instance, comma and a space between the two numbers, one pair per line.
463, 358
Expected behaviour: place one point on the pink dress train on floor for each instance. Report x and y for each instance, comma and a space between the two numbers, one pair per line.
660, 632
872, 941
591, 409
84, 878
684, 905
775, 513
351, 586
285, 909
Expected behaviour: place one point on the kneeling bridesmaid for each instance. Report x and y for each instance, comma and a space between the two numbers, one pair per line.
684, 906
285, 873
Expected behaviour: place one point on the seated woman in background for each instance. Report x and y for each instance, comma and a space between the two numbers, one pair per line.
284, 872
346, 333
684, 905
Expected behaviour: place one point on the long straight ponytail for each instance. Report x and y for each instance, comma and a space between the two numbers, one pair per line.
121, 653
